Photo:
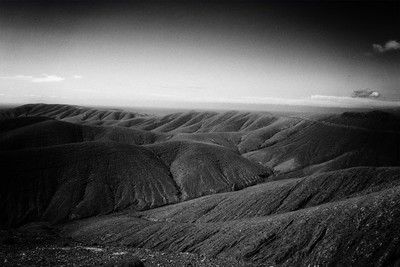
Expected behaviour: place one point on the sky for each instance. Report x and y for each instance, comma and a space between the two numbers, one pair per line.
190, 53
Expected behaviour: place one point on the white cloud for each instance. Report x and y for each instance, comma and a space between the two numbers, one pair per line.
390, 45
77, 76
366, 93
47, 78
43, 78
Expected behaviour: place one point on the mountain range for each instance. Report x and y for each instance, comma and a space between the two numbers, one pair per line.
261, 187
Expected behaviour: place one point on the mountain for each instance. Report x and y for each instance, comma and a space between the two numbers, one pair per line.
333, 219
259, 187
291, 146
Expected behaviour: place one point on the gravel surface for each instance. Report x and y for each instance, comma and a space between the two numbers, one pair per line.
42, 246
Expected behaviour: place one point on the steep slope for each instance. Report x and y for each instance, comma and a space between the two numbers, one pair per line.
184, 122
360, 229
228, 140
280, 196
373, 120
201, 182
8, 124
201, 169
318, 143
29, 132
67, 112
275, 132
76, 180
120, 135
73, 181
291, 146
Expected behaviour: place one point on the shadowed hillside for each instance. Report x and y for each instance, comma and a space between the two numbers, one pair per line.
197, 167
258, 187
66, 112
373, 120
357, 227
289, 145
73, 181
27, 132
280, 196
85, 179
318, 146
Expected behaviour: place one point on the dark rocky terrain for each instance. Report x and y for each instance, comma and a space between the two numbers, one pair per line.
200, 188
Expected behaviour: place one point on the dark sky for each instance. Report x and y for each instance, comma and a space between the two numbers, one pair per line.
177, 52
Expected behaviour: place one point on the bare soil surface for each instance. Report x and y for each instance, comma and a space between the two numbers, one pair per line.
91, 187
40, 245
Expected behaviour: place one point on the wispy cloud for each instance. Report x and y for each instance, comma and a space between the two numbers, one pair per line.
43, 78
183, 87
77, 76
388, 46
366, 94
47, 78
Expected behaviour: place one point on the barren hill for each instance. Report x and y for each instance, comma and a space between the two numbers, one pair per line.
293, 146
262, 188
335, 219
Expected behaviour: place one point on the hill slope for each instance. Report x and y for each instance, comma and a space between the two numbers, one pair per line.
60, 183
266, 189
291, 146
76, 180
358, 227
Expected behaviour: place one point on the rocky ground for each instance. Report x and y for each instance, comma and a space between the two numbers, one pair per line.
38, 245
198, 188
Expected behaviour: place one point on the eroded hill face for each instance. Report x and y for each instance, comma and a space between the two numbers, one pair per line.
283, 223
290, 146
262, 188
59, 171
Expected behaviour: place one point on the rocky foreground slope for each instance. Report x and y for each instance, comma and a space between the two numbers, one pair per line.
260, 188
358, 229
